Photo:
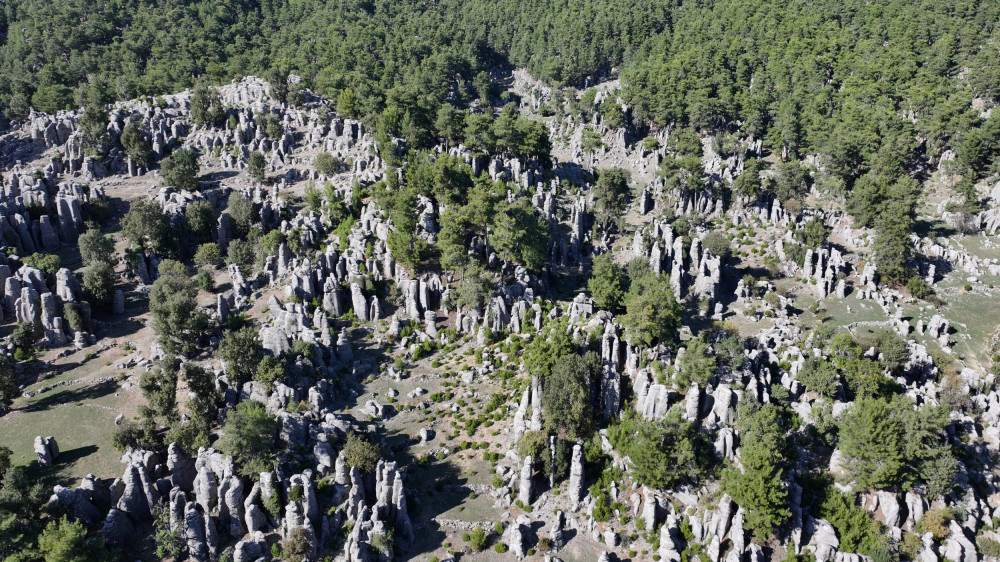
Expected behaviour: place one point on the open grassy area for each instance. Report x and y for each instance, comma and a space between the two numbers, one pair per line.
972, 321
80, 416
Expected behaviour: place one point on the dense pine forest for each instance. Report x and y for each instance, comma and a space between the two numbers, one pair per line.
842, 77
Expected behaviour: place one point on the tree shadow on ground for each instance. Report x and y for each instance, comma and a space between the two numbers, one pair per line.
70, 394
923, 227
398, 446
32, 371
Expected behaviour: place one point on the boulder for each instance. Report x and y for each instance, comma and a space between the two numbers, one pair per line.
118, 528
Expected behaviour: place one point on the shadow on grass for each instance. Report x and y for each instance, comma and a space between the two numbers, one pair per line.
126, 324
71, 394
923, 227
61, 472
73, 455
398, 445
58, 473
437, 487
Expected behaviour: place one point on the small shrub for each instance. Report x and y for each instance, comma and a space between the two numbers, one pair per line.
918, 288
383, 542
936, 522
204, 280
477, 539
988, 547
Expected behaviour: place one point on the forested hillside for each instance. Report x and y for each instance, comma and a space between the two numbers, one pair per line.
843, 77
590, 280
403, 48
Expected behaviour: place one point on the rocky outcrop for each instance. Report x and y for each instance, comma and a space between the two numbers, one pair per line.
46, 450
524, 486
575, 489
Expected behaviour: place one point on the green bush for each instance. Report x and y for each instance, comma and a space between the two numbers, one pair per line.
988, 547
48, 264
66, 541
208, 254
477, 539
935, 522
919, 288
249, 435
243, 254
180, 169
257, 166
662, 452
135, 436
361, 453
23, 337
297, 546
856, 529
204, 280
326, 163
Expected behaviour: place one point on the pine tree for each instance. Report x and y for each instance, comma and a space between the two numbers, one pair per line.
759, 488
871, 442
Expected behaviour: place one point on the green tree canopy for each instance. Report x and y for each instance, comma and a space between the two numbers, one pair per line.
95, 247
567, 403
99, 282
180, 169
135, 144
206, 107
541, 354
652, 312
201, 219
147, 226
241, 210
48, 264
759, 488
361, 453
717, 243
241, 352
820, 376
612, 194
871, 440
662, 453
888, 443
696, 364
608, 283
257, 166
159, 388
8, 390
66, 541
326, 163
520, 234
177, 321
249, 436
